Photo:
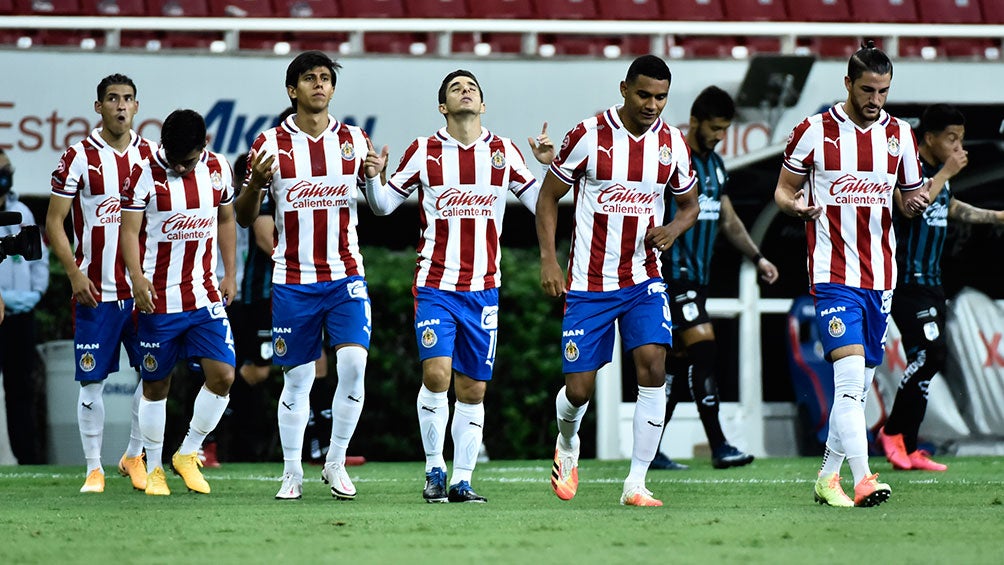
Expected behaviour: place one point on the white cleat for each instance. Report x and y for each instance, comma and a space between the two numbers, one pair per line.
334, 474
292, 488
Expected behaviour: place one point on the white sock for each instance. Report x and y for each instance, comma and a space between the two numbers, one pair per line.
649, 419
869, 378
293, 412
433, 414
206, 414
569, 420
468, 429
848, 414
91, 421
833, 460
152, 419
135, 446
347, 404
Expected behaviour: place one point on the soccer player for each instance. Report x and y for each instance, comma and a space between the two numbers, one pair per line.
918, 306
462, 175
176, 207
312, 164
841, 168
88, 180
623, 163
686, 269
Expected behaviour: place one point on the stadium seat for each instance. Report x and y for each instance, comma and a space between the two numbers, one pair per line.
124, 8
47, 7
373, 9
155, 40
435, 8
629, 10
702, 47
993, 12
830, 47
949, 11
755, 10
496, 42
6, 6
502, 9
306, 9
180, 8
693, 10
819, 11
330, 43
898, 11
566, 9
241, 8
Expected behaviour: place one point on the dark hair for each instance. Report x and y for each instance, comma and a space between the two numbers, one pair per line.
183, 131
306, 61
114, 79
650, 66
453, 75
713, 102
868, 58
937, 117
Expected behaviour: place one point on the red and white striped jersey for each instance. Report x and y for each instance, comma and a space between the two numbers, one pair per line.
315, 190
91, 172
177, 241
851, 173
462, 199
619, 184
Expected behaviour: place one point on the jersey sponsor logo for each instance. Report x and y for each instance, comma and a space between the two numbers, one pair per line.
282, 331
429, 338
833, 310
619, 199
711, 208
87, 362
306, 194
149, 344
357, 290
665, 155
429, 322
836, 327
498, 159
184, 227
149, 363
848, 189
109, 210
87, 346
280, 347
348, 151
453, 203
571, 351
490, 317
573, 333
894, 146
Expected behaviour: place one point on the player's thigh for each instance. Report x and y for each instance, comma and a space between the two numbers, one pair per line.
298, 312
160, 343
97, 334
587, 330
840, 315
435, 325
348, 318
477, 334
646, 317
209, 336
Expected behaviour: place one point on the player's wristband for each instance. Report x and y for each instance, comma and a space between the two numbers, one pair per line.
757, 257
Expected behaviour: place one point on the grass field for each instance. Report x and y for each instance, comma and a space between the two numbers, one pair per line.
763, 513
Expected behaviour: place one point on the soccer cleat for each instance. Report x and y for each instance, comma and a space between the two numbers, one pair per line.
727, 455
135, 469
661, 462
829, 492
341, 485
435, 486
870, 492
895, 450
188, 467
208, 455
291, 489
462, 492
156, 483
636, 494
565, 472
920, 460
95, 482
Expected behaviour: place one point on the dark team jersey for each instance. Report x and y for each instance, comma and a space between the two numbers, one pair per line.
690, 257
920, 240
257, 283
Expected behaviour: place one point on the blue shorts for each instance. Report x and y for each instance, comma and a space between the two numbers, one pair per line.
587, 331
853, 316
165, 338
299, 311
97, 334
459, 325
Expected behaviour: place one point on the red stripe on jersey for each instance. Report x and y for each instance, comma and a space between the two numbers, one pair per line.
864, 143
161, 191
604, 153
291, 229
318, 159
145, 150
492, 235
191, 184
810, 237
95, 170
438, 255
216, 167
468, 166
831, 142
434, 161
629, 225
796, 137
665, 139
160, 272
320, 251
892, 130
78, 229
597, 250
187, 285
467, 248
838, 268
348, 165
864, 238
498, 173
636, 159
123, 166
62, 171
651, 265
207, 272
95, 268
284, 145
887, 254
422, 221
351, 268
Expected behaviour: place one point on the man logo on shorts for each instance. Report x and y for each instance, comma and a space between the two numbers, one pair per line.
571, 351
429, 338
837, 327
87, 362
280, 346
149, 363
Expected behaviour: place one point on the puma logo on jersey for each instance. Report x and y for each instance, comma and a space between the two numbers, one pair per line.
99, 169
833, 141
435, 159
288, 153
606, 150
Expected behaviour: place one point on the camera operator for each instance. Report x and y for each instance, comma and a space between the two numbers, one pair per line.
22, 284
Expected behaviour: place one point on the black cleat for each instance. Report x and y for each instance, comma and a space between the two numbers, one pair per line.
462, 492
727, 456
435, 486
664, 463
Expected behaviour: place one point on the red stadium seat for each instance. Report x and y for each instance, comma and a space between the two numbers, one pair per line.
500, 9
436, 8
47, 7
566, 9
180, 8
629, 10
704, 47
993, 12
755, 10
693, 10
168, 40
397, 43
328, 42
306, 9
241, 8
819, 11
898, 11
497, 42
831, 47
130, 8
6, 7
970, 47
949, 11
373, 9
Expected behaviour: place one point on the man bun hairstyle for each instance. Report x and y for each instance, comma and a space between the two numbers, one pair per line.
868, 58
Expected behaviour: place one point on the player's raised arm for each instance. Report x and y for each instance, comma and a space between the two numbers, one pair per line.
262, 167
790, 197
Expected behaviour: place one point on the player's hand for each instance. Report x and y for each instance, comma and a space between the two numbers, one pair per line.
84, 291
660, 238
768, 272
956, 162
143, 294
228, 288
542, 147
263, 167
916, 201
803, 211
552, 280
376, 163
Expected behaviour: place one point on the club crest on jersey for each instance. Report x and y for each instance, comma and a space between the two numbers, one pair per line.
217, 180
931, 331
87, 362
348, 151
149, 363
280, 347
836, 327
498, 159
429, 338
665, 155
571, 351
893, 146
